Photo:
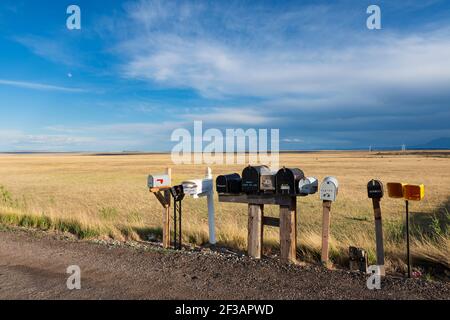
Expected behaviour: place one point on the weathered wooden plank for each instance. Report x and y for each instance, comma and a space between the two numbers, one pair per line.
256, 199
326, 233
166, 215
271, 221
155, 190
379, 235
161, 198
255, 230
288, 232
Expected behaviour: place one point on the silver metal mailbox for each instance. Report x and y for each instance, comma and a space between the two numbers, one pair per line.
329, 189
308, 185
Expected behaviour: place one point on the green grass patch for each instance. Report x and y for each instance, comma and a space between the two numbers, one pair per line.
43, 222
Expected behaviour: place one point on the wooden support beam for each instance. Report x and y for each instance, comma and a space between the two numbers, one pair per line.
161, 198
288, 232
255, 230
166, 214
379, 235
326, 233
271, 221
256, 199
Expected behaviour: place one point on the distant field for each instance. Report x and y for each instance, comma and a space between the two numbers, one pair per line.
106, 196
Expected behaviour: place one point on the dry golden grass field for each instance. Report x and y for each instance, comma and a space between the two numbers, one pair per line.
106, 196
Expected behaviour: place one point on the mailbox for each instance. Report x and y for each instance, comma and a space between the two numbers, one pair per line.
329, 189
268, 184
375, 189
198, 188
395, 189
414, 192
307, 186
177, 192
229, 183
251, 178
158, 181
288, 180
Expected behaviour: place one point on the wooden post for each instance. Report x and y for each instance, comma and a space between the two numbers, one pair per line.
288, 232
166, 214
326, 233
255, 230
379, 235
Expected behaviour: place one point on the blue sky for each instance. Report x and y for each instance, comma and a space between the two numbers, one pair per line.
137, 70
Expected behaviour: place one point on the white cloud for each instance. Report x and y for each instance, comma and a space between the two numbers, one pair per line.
249, 53
39, 86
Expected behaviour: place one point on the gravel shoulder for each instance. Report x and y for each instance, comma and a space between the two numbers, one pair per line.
33, 266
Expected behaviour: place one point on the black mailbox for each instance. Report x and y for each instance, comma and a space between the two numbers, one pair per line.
375, 189
177, 192
229, 184
251, 178
288, 180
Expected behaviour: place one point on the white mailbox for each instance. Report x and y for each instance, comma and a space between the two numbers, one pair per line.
329, 189
204, 188
198, 188
159, 181
308, 185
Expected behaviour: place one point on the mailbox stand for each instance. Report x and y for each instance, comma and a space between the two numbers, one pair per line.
256, 222
200, 188
408, 255
328, 193
163, 196
379, 235
375, 191
407, 192
326, 233
178, 196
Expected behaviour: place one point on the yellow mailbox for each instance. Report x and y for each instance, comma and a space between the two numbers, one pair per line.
414, 192
395, 189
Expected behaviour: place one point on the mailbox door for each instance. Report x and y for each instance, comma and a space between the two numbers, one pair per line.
251, 178
222, 184
230, 183
268, 182
375, 189
329, 189
287, 181
235, 184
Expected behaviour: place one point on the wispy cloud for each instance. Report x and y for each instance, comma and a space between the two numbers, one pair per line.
49, 49
39, 86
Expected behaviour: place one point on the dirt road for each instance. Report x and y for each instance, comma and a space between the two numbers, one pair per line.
33, 266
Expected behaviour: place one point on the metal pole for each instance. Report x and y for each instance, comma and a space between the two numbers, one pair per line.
179, 224
408, 256
174, 224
